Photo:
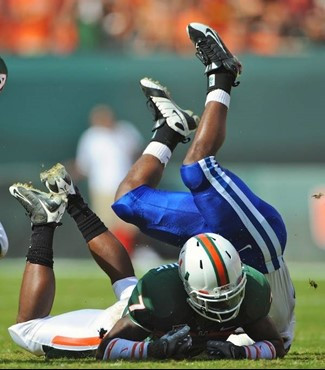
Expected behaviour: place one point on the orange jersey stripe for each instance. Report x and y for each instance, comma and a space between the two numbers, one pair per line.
219, 266
78, 342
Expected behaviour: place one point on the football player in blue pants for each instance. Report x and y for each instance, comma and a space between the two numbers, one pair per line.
218, 201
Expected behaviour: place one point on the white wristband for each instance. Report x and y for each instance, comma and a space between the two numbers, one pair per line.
159, 150
219, 96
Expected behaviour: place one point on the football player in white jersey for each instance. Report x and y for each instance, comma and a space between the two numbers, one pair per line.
76, 333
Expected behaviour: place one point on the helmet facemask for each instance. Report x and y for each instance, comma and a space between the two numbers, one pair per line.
223, 305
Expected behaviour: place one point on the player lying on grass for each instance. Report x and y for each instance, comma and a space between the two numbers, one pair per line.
175, 311
78, 332
210, 291
218, 201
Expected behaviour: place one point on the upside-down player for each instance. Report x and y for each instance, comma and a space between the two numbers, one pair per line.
218, 201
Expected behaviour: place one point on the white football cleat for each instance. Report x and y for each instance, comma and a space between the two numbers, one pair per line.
164, 109
57, 180
42, 208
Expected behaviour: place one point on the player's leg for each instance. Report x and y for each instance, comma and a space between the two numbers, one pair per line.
38, 284
163, 215
107, 251
227, 204
222, 70
282, 309
172, 126
72, 334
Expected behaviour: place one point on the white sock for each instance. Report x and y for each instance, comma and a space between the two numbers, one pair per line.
219, 96
159, 150
123, 288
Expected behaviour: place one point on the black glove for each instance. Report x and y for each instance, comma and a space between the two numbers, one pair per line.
176, 344
219, 350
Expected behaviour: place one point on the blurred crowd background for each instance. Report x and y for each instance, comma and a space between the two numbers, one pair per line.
264, 27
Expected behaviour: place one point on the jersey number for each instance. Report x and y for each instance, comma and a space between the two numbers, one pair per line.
139, 306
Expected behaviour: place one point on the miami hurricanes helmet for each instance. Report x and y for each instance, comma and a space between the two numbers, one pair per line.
213, 276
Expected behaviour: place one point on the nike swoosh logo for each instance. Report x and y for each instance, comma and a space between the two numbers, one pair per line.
17, 195
177, 114
247, 247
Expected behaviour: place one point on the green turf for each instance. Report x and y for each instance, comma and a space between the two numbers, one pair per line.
82, 285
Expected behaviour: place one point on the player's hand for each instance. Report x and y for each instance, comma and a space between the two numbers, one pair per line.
219, 350
175, 344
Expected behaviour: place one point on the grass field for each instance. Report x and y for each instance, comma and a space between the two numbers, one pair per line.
82, 285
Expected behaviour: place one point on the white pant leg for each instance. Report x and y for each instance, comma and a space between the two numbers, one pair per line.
282, 308
283, 303
73, 331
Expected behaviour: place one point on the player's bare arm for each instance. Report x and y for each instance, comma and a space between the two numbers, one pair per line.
126, 340
265, 330
123, 329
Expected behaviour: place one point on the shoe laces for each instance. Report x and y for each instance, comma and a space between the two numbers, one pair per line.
208, 52
203, 51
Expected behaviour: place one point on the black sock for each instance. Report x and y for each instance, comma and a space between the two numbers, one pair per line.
165, 135
41, 245
87, 221
220, 79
